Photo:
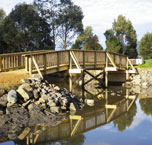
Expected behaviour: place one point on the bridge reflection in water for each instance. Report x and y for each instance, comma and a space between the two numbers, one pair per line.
87, 119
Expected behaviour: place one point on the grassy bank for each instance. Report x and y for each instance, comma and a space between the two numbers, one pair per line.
147, 64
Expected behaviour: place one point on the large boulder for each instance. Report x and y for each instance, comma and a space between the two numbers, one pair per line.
12, 97
55, 109
25, 91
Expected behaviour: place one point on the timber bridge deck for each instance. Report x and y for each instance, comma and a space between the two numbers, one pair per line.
47, 62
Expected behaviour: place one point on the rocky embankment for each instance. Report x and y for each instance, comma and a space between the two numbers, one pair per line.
35, 101
141, 83
142, 79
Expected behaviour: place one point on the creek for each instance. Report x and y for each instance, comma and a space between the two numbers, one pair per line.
118, 116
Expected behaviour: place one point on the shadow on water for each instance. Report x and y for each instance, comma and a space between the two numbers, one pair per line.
113, 105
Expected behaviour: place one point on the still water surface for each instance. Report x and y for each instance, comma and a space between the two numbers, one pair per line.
119, 117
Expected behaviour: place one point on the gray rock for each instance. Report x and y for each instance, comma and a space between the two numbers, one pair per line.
55, 109
26, 86
56, 88
12, 97
45, 97
89, 102
35, 93
1, 112
41, 100
2, 92
64, 102
113, 94
73, 106
43, 106
10, 104
44, 91
30, 107
25, 94
145, 84
26, 103
58, 95
27, 81
3, 100
51, 104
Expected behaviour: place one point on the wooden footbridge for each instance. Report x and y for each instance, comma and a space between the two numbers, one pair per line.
76, 61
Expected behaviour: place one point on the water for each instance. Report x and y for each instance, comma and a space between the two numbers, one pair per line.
119, 117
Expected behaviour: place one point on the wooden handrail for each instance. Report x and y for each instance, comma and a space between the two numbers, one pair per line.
54, 58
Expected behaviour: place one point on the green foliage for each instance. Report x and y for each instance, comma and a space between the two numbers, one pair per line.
113, 44
122, 38
87, 41
23, 30
126, 119
64, 18
2, 14
147, 64
145, 46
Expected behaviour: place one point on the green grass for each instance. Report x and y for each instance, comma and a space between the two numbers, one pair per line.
148, 64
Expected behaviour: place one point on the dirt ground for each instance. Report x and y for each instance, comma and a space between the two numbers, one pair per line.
12, 78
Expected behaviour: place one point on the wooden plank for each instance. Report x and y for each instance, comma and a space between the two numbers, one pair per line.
1, 63
110, 106
95, 59
109, 57
44, 63
75, 71
30, 65
110, 69
83, 59
75, 60
37, 67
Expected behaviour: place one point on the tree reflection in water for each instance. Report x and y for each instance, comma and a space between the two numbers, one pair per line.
146, 106
126, 119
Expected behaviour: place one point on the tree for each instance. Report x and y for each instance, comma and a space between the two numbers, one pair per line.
145, 46
2, 14
64, 17
2, 43
126, 119
122, 37
87, 40
113, 44
48, 10
25, 30
70, 21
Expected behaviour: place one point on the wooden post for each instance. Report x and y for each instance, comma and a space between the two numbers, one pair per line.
127, 72
106, 73
1, 64
83, 59
95, 59
70, 75
58, 61
44, 63
26, 63
30, 65
82, 77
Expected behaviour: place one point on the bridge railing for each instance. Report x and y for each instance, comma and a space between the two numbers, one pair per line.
12, 61
47, 59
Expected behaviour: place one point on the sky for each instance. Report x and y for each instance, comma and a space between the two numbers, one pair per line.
100, 14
